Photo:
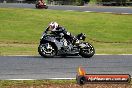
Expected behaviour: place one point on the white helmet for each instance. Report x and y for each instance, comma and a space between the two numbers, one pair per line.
53, 25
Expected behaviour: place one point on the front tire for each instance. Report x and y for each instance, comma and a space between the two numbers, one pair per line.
37, 6
47, 50
87, 51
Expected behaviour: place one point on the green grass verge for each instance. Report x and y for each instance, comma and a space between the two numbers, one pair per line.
29, 83
93, 1
55, 83
20, 29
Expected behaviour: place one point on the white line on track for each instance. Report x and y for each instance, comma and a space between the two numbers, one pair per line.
45, 79
61, 78
103, 12
113, 54
19, 79
126, 13
88, 11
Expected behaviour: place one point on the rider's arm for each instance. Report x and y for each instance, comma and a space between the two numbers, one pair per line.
65, 31
47, 29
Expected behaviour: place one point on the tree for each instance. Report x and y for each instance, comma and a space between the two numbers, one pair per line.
118, 2
86, 1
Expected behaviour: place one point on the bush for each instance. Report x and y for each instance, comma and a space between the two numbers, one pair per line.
79, 2
113, 2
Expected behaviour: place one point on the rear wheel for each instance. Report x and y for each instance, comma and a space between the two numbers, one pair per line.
87, 51
47, 50
46, 7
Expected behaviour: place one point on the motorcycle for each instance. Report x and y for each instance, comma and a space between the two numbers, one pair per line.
38, 6
53, 45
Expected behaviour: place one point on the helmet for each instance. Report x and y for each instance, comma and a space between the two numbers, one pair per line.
53, 25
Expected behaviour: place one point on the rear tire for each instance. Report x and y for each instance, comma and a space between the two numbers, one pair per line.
87, 52
46, 7
47, 50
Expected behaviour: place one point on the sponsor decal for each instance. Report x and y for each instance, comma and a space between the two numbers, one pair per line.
83, 78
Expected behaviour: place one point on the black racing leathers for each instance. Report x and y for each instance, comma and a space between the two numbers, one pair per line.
61, 31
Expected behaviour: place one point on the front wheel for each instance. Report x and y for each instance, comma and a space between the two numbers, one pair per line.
87, 51
36, 5
47, 50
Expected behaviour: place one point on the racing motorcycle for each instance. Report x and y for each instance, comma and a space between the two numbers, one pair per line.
38, 6
53, 45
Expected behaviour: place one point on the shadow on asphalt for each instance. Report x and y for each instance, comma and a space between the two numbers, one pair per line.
58, 57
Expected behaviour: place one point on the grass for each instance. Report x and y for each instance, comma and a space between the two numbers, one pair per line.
113, 48
30, 83
18, 49
93, 1
20, 29
57, 84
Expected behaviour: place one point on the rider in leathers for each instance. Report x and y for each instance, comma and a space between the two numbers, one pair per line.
61, 31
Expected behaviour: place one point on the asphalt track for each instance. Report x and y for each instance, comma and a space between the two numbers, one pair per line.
36, 67
118, 10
